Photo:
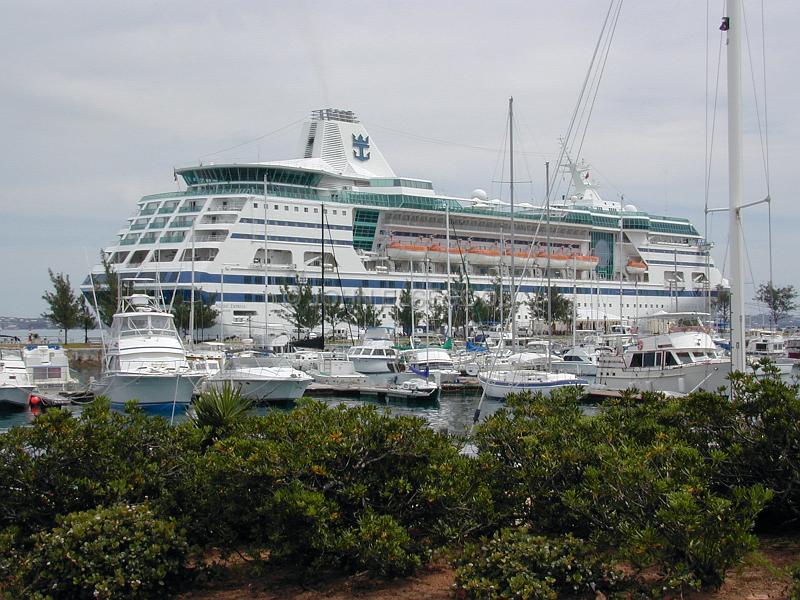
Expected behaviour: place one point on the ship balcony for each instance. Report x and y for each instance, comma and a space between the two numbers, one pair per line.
182, 222
127, 242
138, 226
174, 237
210, 236
191, 208
147, 211
166, 210
148, 238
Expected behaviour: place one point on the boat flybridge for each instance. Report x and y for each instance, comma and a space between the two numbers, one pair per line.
677, 355
144, 358
16, 384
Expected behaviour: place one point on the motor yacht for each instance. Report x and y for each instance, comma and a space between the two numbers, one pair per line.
15, 381
681, 359
145, 359
261, 378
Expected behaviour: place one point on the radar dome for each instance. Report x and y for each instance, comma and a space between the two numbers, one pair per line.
630, 208
480, 194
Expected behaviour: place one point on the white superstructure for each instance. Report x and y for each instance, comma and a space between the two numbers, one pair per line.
382, 232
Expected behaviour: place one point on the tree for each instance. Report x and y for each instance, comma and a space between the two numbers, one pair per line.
205, 315
722, 304
780, 301
363, 313
86, 318
62, 302
106, 291
401, 312
334, 312
494, 300
302, 309
561, 311
437, 313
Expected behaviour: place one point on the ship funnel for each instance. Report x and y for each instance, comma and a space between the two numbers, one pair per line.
337, 137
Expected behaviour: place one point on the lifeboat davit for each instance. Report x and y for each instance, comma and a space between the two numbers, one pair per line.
636, 267
584, 263
552, 261
483, 256
400, 251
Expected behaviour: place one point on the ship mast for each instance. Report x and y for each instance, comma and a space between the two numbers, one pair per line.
511, 195
733, 24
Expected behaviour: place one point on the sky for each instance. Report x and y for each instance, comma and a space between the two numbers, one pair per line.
101, 100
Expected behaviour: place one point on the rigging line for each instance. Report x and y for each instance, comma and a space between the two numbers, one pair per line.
431, 140
710, 155
261, 137
705, 158
764, 73
755, 95
336, 266
604, 60
581, 96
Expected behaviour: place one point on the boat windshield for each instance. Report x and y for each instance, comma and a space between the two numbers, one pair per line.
130, 325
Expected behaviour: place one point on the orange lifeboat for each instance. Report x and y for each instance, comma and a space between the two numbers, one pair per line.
439, 253
636, 267
483, 256
552, 261
519, 257
584, 263
401, 251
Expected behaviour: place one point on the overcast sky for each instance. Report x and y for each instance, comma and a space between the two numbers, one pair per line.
100, 100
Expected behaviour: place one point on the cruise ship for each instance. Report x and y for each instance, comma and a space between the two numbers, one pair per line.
235, 223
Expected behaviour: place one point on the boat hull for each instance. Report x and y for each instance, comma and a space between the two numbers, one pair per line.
265, 390
681, 380
373, 365
495, 388
147, 390
15, 395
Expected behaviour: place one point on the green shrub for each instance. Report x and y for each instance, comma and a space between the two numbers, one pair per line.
308, 485
62, 464
794, 586
117, 552
515, 564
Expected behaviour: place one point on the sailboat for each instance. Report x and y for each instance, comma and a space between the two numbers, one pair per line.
499, 383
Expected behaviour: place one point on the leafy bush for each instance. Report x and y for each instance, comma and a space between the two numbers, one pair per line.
627, 478
117, 552
794, 586
63, 464
516, 564
319, 481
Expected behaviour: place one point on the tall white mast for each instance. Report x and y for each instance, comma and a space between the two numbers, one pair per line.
266, 261
511, 195
734, 24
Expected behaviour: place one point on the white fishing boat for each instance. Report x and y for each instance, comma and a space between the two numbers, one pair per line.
260, 379
580, 360
15, 382
375, 353
145, 359
772, 346
501, 383
337, 373
681, 359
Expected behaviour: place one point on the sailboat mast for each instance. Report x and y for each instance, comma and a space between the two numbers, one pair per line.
266, 261
549, 256
735, 22
511, 196
322, 267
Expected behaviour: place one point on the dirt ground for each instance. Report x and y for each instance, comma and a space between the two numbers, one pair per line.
760, 578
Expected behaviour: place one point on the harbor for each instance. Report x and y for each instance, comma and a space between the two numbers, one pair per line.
346, 300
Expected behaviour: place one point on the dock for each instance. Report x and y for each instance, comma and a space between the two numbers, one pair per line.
465, 385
